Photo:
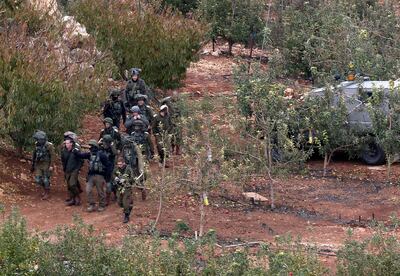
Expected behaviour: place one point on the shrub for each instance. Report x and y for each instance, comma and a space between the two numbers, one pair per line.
161, 43
40, 87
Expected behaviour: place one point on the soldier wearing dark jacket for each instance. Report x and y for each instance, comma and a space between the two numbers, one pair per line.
107, 145
115, 108
71, 166
111, 130
162, 130
99, 169
145, 110
134, 86
133, 116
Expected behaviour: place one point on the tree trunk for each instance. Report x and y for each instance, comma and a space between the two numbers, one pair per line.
272, 194
325, 164
213, 44
202, 216
251, 45
389, 167
230, 45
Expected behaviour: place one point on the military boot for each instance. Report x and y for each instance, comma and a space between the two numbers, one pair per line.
144, 194
178, 150
45, 195
126, 218
70, 202
78, 200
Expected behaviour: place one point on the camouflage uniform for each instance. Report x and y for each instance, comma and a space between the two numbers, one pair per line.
132, 173
115, 109
145, 110
132, 89
161, 130
176, 131
42, 160
111, 131
107, 146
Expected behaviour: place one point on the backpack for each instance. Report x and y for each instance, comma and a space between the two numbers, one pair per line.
95, 164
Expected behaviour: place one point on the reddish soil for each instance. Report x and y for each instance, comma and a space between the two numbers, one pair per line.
320, 210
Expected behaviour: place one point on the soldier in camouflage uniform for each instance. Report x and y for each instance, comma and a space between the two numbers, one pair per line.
115, 108
111, 130
42, 162
135, 86
108, 147
130, 174
162, 131
99, 170
135, 115
175, 113
145, 110
142, 138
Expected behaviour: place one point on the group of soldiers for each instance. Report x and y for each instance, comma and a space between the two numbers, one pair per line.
117, 161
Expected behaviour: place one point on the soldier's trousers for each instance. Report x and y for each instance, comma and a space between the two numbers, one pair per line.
73, 185
98, 182
42, 175
125, 199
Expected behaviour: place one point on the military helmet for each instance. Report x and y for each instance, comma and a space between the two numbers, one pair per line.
135, 109
135, 71
70, 135
114, 92
108, 120
93, 143
40, 135
164, 107
141, 97
107, 138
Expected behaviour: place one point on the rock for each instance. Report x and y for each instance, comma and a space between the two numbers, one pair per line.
255, 197
377, 168
24, 177
216, 53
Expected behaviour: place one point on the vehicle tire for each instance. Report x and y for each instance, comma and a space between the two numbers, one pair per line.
373, 154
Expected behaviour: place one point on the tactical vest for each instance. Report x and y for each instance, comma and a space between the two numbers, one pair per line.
117, 108
133, 91
95, 164
139, 138
130, 155
42, 153
110, 131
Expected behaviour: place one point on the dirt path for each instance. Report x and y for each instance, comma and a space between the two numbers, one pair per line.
319, 210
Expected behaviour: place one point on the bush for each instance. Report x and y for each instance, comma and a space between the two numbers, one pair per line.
379, 255
40, 85
161, 43
330, 35
77, 250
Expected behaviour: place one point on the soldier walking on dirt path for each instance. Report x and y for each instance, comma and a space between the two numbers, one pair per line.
99, 170
175, 114
112, 131
42, 162
134, 86
71, 166
114, 108
162, 130
129, 174
107, 146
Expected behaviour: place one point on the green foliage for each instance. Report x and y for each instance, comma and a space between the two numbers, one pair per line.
330, 35
162, 43
378, 255
235, 21
37, 89
16, 247
383, 108
184, 6
292, 256
276, 140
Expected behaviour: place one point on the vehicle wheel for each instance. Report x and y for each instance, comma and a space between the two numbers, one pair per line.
373, 154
